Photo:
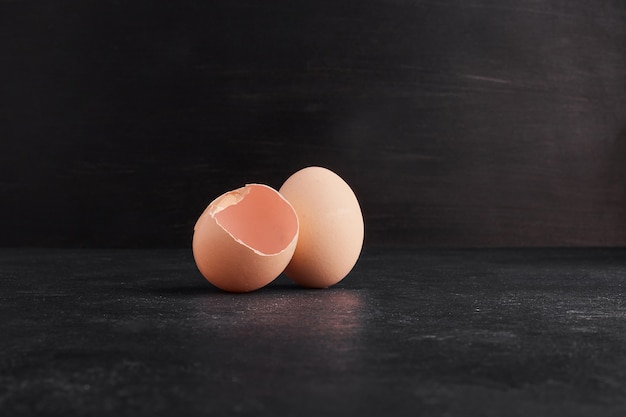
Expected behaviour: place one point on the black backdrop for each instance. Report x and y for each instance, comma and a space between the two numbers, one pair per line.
458, 123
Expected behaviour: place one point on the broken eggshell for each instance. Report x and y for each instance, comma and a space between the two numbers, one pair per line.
245, 238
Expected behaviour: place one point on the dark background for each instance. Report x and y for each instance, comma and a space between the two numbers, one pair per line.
457, 123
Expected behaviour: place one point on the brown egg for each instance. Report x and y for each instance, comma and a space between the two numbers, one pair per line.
245, 238
331, 227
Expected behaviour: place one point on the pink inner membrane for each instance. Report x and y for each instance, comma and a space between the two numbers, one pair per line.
262, 220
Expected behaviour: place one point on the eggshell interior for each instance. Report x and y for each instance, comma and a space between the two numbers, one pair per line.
261, 221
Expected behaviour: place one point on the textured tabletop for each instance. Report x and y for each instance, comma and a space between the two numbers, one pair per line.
486, 332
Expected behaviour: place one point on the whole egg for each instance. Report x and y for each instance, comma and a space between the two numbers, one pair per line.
331, 227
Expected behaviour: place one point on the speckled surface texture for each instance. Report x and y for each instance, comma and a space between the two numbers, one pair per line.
410, 332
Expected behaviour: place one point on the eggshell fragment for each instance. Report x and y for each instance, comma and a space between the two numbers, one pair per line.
331, 227
245, 238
